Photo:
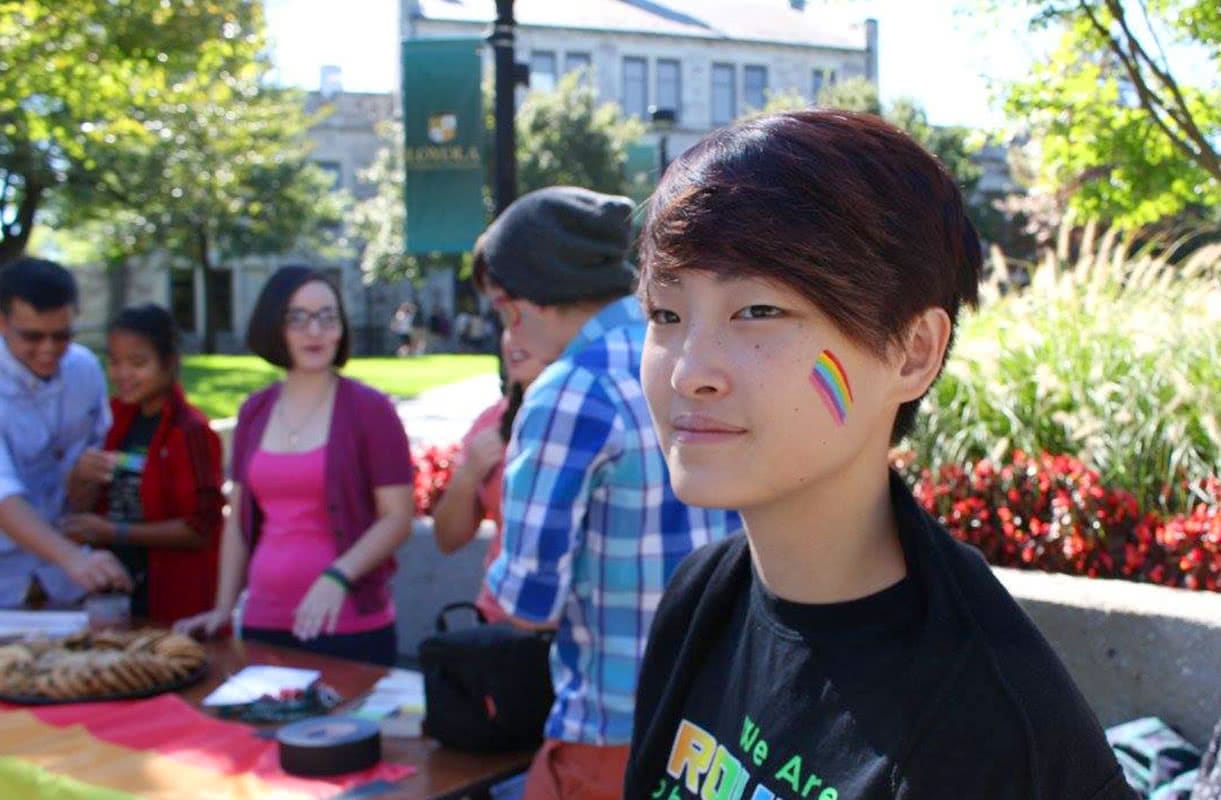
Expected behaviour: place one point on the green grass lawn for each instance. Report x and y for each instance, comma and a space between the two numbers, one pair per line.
217, 384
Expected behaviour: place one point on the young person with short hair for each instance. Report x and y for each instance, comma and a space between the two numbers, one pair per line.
322, 488
53, 408
159, 505
802, 274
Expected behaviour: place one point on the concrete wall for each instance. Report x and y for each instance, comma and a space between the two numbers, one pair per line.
427, 580
1134, 649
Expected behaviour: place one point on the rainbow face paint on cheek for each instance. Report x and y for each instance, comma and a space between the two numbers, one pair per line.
831, 381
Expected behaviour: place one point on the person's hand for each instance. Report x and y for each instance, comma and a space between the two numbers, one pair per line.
87, 528
206, 624
483, 452
96, 466
97, 570
319, 609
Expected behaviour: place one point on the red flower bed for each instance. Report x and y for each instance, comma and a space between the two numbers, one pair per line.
1048, 513
433, 467
1051, 513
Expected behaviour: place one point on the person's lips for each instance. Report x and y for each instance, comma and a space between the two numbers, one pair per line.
703, 429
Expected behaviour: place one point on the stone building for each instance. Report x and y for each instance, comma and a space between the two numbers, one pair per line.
707, 61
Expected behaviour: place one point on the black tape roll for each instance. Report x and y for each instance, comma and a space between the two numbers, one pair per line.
329, 745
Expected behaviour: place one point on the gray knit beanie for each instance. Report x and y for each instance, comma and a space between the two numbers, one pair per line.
561, 245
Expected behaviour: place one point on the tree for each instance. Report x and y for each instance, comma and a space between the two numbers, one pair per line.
563, 137
1124, 138
216, 166
854, 94
953, 145
379, 223
76, 80
232, 179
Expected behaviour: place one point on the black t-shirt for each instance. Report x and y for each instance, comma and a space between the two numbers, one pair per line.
125, 504
937, 687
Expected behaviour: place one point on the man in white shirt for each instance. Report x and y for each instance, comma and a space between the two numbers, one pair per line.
53, 415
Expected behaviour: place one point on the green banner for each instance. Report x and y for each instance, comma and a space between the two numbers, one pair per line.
443, 129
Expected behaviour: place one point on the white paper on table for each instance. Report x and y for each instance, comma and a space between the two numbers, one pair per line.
259, 680
400, 690
45, 623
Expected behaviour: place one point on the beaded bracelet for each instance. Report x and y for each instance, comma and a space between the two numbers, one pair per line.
336, 574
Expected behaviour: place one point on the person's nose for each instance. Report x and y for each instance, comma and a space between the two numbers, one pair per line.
700, 365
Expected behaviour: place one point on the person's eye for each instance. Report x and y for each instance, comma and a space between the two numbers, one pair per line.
662, 316
759, 311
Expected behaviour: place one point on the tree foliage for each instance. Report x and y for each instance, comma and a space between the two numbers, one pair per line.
953, 145
191, 154
563, 137
1124, 137
77, 82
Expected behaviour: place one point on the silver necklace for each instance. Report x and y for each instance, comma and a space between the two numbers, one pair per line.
294, 432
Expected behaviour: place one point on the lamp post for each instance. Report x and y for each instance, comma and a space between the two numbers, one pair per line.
501, 40
662, 120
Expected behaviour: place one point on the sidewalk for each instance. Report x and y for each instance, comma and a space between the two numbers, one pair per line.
441, 416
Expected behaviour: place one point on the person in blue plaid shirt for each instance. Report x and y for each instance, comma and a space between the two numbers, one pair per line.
592, 529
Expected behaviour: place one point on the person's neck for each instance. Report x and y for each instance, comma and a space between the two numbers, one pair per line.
830, 542
308, 383
153, 405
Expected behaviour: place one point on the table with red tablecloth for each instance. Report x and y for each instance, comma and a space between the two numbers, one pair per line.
167, 747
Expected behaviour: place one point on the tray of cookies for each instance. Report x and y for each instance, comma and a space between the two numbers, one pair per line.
102, 665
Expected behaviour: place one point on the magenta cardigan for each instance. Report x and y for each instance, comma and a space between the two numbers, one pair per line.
367, 448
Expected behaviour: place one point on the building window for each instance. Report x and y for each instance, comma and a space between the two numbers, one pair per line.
220, 300
635, 87
724, 94
754, 86
820, 78
335, 170
670, 86
574, 61
542, 71
182, 299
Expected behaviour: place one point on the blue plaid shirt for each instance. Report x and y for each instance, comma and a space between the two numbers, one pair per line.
592, 529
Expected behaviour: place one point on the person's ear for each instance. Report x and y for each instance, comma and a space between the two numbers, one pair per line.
921, 352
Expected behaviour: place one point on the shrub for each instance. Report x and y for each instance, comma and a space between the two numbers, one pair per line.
1114, 359
433, 467
1053, 513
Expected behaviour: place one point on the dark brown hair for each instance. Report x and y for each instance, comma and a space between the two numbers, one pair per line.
843, 208
265, 333
156, 325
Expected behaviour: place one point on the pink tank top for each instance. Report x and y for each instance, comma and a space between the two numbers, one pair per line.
296, 543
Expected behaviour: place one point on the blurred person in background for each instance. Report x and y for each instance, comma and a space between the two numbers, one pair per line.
158, 504
474, 492
322, 488
53, 408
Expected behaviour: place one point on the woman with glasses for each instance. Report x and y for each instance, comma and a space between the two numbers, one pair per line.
322, 488
153, 490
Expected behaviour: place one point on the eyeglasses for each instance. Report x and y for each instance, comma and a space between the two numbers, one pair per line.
35, 338
298, 319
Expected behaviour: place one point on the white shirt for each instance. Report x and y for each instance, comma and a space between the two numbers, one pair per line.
45, 426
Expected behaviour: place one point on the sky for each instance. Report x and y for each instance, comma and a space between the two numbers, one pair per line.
945, 60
